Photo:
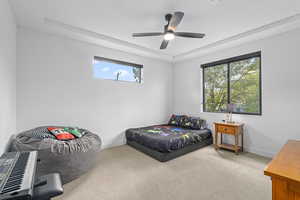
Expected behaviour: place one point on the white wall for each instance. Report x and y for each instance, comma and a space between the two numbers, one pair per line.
280, 88
7, 74
55, 86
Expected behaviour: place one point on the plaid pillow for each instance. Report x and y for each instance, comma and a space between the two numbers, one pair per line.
38, 133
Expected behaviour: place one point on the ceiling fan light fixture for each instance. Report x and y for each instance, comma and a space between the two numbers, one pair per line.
173, 20
169, 36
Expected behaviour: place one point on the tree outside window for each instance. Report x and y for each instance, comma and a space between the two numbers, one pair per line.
235, 81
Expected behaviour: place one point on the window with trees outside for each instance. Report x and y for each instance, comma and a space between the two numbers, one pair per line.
105, 68
233, 85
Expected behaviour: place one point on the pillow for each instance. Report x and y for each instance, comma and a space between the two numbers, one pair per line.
192, 123
60, 133
74, 131
176, 120
38, 133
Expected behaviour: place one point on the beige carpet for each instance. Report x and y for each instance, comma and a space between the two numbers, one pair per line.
123, 173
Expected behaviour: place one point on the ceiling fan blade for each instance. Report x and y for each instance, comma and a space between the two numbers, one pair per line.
190, 35
146, 34
164, 44
175, 20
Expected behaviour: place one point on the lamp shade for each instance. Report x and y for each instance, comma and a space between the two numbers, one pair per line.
231, 107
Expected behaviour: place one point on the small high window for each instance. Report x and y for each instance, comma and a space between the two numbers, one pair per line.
105, 68
233, 85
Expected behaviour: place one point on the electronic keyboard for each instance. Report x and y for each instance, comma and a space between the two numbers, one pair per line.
18, 181
17, 175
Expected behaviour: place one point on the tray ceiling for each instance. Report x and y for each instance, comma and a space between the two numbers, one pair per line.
117, 20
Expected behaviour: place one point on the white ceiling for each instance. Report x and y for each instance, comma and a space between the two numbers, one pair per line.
218, 19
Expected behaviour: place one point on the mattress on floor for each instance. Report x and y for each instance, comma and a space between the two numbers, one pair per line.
165, 138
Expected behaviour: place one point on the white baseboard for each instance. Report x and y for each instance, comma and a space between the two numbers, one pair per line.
111, 145
260, 152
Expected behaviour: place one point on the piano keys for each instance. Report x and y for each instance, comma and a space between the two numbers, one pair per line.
18, 181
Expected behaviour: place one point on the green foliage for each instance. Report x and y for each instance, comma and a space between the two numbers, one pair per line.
244, 86
137, 74
215, 79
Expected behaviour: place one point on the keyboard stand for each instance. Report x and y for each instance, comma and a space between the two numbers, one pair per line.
47, 186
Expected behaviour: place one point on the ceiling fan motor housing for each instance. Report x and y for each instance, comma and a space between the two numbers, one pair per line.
168, 17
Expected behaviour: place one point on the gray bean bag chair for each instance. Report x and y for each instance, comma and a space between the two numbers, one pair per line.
70, 158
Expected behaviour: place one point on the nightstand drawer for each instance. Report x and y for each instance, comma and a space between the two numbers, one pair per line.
226, 129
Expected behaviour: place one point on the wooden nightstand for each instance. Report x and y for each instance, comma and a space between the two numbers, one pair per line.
234, 129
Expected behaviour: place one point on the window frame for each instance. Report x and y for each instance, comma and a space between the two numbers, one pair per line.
227, 62
129, 64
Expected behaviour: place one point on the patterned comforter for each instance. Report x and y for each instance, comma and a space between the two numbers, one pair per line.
165, 138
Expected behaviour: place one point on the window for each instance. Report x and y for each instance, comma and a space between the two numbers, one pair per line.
117, 70
235, 82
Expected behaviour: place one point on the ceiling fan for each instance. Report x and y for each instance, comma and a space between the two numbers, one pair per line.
169, 30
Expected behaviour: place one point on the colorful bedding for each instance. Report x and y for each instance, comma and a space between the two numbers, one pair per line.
166, 138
